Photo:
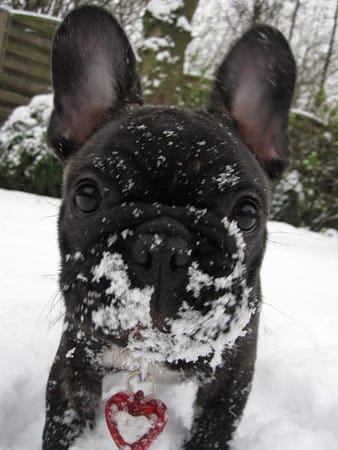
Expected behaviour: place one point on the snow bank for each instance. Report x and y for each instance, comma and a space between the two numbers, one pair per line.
294, 401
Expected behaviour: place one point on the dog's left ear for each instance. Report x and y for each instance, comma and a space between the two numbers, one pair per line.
94, 77
255, 84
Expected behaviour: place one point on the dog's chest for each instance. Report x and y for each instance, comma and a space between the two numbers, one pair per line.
120, 359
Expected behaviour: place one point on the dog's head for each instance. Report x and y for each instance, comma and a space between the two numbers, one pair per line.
163, 220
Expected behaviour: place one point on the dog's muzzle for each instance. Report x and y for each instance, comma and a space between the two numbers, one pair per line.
161, 253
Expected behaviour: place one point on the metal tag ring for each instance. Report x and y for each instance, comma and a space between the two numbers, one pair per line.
137, 373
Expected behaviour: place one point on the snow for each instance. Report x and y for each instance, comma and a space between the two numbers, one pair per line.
308, 115
131, 428
183, 23
156, 43
294, 400
31, 121
164, 10
227, 178
113, 269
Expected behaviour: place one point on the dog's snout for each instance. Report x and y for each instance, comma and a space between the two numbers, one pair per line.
160, 253
161, 247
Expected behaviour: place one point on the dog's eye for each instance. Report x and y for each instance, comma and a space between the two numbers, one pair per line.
246, 216
87, 197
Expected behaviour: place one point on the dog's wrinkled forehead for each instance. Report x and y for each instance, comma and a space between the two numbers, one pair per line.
156, 154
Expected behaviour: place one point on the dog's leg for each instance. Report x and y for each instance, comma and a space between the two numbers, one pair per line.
217, 415
220, 403
72, 397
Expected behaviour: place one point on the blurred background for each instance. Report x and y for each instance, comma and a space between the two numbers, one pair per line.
179, 44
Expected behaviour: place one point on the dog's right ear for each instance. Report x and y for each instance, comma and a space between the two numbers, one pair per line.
94, 77
255, 84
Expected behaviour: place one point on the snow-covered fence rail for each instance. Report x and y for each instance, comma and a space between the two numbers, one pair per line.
25, 44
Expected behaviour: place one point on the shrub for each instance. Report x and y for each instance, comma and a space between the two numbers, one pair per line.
26, 161
308, 194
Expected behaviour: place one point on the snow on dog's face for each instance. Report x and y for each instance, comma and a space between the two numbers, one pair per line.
162, 234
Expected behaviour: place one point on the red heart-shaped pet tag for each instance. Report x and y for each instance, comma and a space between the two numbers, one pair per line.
124, 404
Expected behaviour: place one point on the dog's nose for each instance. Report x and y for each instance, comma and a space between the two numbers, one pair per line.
160, 255
160, 249
161, 261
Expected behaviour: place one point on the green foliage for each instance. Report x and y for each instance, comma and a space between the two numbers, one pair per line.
26, 162
311, 200
194, 92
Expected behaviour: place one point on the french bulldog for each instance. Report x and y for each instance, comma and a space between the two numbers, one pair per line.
162, 226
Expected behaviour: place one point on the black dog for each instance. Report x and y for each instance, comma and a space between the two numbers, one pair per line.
163, 223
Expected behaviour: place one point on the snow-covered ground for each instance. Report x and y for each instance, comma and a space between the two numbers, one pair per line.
294, 401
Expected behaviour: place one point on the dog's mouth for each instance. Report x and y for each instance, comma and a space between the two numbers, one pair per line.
121, 336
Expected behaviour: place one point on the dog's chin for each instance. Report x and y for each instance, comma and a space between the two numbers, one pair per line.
117, 357
179, 343
190, 337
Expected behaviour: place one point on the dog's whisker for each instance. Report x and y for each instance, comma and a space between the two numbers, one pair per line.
55, 321
277, 309
56, 300
49, 276
282, 244
50, 202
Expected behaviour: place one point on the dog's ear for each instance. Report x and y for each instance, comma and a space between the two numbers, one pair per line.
94, 77
255, 84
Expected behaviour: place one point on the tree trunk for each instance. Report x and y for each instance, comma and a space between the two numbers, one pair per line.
167, 34
257, 12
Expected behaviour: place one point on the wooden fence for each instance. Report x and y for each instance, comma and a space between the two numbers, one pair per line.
25, 45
